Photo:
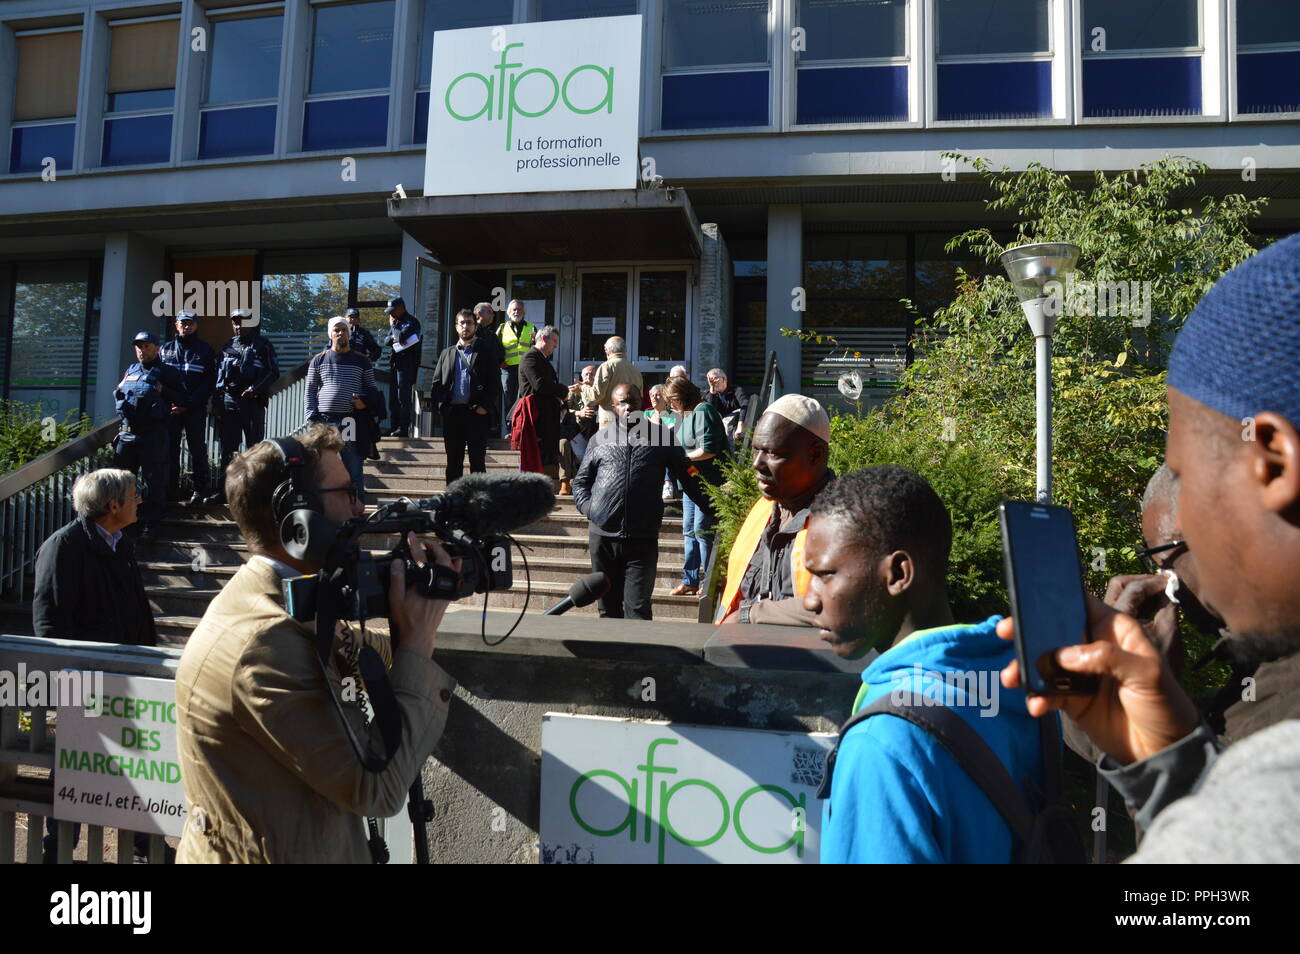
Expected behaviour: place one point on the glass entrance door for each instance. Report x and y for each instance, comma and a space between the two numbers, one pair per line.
649, 307
538, 291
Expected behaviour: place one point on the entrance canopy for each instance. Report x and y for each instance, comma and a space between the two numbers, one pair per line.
611, 225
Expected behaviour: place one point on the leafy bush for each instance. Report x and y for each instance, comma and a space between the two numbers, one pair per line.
25, 433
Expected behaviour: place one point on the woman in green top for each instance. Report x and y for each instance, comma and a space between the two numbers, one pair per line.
661, 414
700, 432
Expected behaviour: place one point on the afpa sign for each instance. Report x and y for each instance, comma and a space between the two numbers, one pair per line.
535, 107
617, 790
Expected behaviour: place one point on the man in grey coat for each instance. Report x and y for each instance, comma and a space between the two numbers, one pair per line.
1234, 448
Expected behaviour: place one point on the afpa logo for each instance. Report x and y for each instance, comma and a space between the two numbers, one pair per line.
531, 93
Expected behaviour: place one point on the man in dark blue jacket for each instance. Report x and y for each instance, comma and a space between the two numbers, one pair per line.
197, 363
248, 369
359, 338
618, 490
147, 397
466, 383
404, 340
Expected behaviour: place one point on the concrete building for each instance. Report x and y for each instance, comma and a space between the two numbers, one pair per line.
791, 151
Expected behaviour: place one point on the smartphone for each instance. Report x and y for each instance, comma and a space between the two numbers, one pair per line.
1045, 583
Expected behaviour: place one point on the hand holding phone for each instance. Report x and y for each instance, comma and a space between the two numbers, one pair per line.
1139, 708
1045, 584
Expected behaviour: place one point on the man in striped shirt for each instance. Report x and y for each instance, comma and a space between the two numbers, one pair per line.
337, 379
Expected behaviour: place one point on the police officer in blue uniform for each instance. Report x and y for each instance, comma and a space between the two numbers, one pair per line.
404, 340
248, 369
147, 397
197, 363
360, 339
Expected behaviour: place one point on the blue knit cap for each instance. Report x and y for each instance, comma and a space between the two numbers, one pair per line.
1239, 351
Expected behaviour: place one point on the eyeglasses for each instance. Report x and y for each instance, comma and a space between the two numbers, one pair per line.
1152, 566
350, 490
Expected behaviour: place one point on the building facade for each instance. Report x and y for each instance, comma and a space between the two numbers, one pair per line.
791, 169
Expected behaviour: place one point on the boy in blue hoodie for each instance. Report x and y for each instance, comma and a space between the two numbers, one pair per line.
877, 548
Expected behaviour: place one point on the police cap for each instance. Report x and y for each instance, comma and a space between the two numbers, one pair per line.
186, 315
351, 313
393, 305
145, 337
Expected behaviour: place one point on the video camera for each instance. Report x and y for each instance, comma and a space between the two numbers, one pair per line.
471, 520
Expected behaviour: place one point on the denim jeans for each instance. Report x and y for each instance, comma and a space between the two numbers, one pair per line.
697, 531
353, 456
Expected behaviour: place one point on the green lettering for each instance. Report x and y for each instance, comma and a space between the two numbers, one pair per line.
666, 825
514, 105
68, 759
795, 839
607, 102
487, 100
629, 788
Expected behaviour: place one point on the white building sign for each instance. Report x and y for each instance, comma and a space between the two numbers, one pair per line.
115, 760
535, 107
622, 791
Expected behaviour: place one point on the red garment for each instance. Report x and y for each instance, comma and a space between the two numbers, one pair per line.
523, 435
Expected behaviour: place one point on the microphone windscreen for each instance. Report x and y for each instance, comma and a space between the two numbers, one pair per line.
501, 503
589, 589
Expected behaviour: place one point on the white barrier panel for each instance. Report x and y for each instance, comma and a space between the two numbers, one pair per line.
622, 791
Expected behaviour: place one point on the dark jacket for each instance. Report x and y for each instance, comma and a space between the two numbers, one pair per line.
246, 364
537, 376
84, 590
618, 487
402, 332
484, 376
490, 340
141, 406
365, 342
197, 363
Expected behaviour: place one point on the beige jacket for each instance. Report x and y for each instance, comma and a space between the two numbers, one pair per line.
269, 773
610, 375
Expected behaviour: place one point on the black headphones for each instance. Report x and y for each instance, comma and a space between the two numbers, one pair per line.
305, 532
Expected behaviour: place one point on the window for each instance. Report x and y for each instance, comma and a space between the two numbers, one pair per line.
994, 59
582, 9
49, 360
449, 15
1141, 59
351, 54
716, 57
141, 91
243, 82
45, 100
1268, 56
854, 69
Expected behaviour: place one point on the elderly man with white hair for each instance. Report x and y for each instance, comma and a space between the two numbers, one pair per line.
88, 584
337, 382
615, 371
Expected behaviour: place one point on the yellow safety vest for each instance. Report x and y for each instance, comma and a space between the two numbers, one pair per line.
742, 551
516, 345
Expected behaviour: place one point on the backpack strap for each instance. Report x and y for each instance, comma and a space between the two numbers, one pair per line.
963, 743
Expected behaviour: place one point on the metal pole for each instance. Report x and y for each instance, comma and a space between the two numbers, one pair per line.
1043, 407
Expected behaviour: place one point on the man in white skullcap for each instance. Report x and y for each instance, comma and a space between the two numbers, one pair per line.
766, 578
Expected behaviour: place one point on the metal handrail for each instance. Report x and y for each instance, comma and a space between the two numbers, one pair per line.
36, 499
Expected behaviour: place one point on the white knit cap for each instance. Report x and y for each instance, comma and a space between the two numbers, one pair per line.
805, 412
338, 320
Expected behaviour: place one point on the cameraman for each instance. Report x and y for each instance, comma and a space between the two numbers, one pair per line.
269, 772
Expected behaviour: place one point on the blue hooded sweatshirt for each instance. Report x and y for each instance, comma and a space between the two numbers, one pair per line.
897, 795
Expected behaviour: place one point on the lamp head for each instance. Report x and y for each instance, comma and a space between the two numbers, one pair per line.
1033, 269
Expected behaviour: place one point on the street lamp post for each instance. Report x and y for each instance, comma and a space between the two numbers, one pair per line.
1037, 271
